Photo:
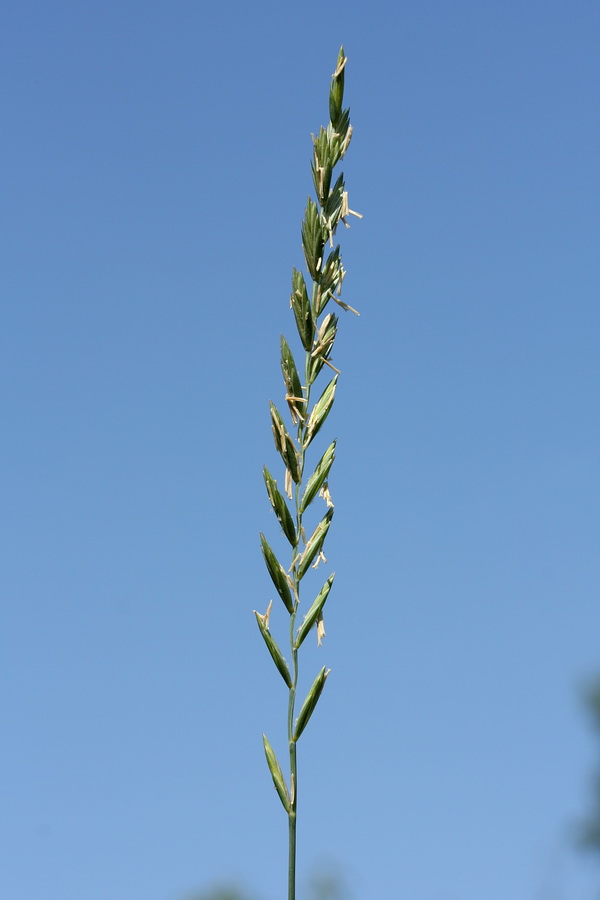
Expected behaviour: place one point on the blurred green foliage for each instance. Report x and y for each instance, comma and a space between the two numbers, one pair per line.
590, 832
222, 893
323, 885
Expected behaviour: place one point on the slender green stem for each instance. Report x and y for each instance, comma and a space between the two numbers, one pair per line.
293, 765
317, 335
292, 857
294, 656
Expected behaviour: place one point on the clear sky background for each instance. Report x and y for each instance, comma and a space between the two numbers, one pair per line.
155, 160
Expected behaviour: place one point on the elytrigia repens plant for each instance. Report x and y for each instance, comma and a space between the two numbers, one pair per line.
317, 334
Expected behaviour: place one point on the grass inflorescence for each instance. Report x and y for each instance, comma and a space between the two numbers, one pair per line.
303, 485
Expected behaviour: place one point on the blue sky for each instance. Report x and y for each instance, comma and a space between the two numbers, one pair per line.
156, 167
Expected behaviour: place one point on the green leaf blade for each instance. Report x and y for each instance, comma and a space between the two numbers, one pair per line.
278, 575
314, 545
320, 411
273, 649
277, 775
280, 508
314, 612
285, 445
314, 236
336, 91
319, 476
289, 369
311, 701
300, 304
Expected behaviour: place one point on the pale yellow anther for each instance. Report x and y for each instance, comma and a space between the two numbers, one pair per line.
288, 483
347, 140
320, 558
345, 306
292, 403
346, 211
265, 619
324, 493
331, 365
320, 630
340, 67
